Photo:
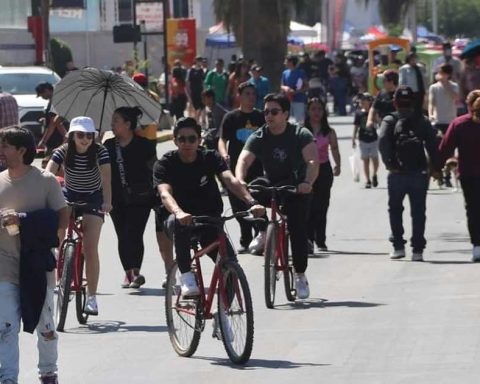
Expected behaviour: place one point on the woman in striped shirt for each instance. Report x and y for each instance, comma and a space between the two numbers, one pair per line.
87, 180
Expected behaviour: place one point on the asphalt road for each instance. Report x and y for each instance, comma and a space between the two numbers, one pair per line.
369, 319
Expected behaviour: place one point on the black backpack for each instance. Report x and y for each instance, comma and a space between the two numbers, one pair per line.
409, 138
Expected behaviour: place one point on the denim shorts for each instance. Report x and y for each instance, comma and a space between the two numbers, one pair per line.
94, 200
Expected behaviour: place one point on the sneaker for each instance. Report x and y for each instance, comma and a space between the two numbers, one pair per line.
138, 281
375, 181
417, 256
397, 254
189, 284
311, 249
257, 244
301, 282
368, 184
476, 254
49, 379
242, 249
217, 332
322, 247
127, 280
91, 307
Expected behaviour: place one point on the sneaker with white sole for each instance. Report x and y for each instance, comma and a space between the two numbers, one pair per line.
257, 245
476, 254
49, 379
91, 307
301, 283
137, 281
417, 256
189, 284
397, 254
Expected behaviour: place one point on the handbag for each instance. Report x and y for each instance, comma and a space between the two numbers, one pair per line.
133, 194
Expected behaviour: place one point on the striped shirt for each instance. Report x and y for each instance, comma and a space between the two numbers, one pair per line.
8, 110
80, 178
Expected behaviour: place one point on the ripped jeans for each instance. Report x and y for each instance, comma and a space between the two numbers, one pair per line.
10, 327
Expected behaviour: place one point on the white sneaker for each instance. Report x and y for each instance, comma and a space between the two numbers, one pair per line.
301, 283
417, 256
189, 284
91, 307
397, 254
476, 254
257, 244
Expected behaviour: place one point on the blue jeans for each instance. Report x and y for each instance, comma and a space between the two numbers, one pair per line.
10, 327
297, 112
415, 185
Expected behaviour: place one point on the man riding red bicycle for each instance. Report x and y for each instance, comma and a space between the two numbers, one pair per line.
185, 179
289, 157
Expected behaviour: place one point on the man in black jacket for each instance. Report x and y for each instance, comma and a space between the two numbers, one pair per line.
404, 136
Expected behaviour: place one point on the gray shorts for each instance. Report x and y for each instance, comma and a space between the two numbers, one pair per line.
368, 150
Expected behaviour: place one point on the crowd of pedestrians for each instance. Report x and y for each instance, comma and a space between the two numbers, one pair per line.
238, 133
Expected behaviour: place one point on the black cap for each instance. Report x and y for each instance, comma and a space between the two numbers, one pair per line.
42, 87
404, 96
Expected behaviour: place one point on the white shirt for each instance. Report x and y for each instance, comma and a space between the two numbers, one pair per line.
443, 102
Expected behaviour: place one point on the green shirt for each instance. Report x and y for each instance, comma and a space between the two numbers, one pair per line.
218, 82
281, 155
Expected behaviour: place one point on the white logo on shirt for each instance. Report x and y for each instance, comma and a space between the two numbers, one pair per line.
203, 181
280, 154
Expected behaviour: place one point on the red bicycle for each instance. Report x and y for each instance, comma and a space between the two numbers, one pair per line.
277, 256
186, 316
70, 270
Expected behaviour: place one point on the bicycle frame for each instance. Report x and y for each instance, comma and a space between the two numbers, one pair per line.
206, 300
74, 236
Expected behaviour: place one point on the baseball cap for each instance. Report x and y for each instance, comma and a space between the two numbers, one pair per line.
404, 96
42, 87
82, 124
257, 68
140, 78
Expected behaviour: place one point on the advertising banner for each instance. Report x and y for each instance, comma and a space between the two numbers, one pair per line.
181, 41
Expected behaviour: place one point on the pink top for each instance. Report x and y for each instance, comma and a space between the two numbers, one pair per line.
322, 145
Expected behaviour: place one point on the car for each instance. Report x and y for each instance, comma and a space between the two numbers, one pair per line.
21, 83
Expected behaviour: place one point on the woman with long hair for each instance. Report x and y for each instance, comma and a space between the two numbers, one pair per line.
239, 76
132, 190
325, 137
87, 180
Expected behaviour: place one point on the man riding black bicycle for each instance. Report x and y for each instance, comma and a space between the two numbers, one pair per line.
185, 179
289, 157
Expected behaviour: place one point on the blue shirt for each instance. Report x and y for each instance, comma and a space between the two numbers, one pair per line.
290, 78
262, 86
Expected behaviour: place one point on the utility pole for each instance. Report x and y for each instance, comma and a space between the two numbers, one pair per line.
45, 13
434, 17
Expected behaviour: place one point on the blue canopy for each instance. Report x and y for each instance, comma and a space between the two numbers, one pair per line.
227, 40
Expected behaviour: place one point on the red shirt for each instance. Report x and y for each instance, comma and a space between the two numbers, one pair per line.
464, 134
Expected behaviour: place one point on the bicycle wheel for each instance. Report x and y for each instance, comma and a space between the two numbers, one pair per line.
65, 285
184, 317
235, 313
288, 278
81, 294
270, 269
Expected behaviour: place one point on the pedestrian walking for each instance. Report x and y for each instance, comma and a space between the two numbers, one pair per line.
239, 76
195, 78
132, 190
262, 85
325, 138
404, 136
295, 85
27, 277
464, 134
413, 75
214, 113
178, 95
217, 79
383, 103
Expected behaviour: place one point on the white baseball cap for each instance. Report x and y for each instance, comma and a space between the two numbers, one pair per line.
82, 124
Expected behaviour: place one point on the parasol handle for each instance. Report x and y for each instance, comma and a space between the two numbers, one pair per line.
103, 106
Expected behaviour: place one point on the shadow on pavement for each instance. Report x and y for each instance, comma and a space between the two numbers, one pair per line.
454, 251
324, 303
148, 292
94, 328
333, 252
259, 363
449, 262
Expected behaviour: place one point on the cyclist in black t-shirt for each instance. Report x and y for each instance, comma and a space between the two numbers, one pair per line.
185, 179
383, 103
195, 77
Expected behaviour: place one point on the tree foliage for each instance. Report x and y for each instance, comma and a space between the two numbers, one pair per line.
392, 12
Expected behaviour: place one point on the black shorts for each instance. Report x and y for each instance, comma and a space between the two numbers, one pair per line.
161, 214
197, 102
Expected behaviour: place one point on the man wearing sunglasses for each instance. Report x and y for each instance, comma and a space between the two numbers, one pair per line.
185, 179
289, 157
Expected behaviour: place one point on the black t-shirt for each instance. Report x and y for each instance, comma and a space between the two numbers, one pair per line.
237, 126
367, 135
193, 184
195, 77
383, 104
138, 158
281, 155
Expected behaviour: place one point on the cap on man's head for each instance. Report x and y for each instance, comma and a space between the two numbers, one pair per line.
257, 68
82, 124
404, 96
140, 78
41, 87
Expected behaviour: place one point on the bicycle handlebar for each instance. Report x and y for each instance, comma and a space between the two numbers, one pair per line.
262, 188
218, 220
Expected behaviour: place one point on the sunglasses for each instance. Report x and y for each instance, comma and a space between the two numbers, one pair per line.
273, 111
82, 135
190, 139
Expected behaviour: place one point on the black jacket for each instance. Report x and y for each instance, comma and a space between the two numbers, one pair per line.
38, 235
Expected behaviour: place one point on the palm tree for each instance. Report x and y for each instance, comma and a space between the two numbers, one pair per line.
261, 29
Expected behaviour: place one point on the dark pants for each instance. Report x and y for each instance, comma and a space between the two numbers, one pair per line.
471, 192
182, 237
296, 208
130, 222
317, 219
178, 105
415, 185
